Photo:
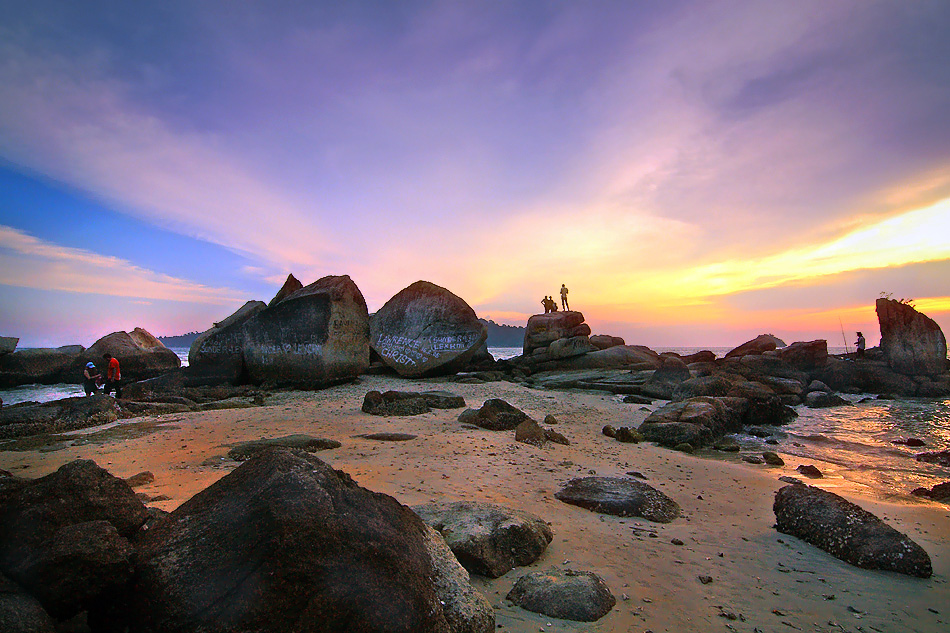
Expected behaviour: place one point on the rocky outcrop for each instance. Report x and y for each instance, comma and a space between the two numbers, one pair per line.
696, 421
20, 612
530, 432
316, 337
426, 330
495, 415
581, 596
626, 356
912, 343
218, 352
291, 285
605, 341
619, 497
759, 345
8, 344
280, 543
488, 539
58, 416
140, 355
544, 329
938, 492
34, 511
847, 531
76, 568
45, 366
805, 355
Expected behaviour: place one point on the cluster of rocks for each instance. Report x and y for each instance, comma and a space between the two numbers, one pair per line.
497, 415
266, 547
409, 402
140, 355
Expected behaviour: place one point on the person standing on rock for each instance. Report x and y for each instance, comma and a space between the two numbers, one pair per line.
564, 303
546, 302
90, 379
860, 345
113, 376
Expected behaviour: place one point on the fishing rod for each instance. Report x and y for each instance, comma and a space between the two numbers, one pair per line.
844, 338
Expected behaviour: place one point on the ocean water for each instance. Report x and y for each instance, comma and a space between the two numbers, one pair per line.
854, 443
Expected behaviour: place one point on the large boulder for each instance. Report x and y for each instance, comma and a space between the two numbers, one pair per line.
140, 355
628, 356
619, 496
759, 345
20, 612
912, 343
315, 337
805, 355
544, 329
426, 330
80, 565
291, 285
45, 366
33, 511
218, 352
285, 543
582, 596
488, 539
8, 344
695, 421
847, 531
58, 416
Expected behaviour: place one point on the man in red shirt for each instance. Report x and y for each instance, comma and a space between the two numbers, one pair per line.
113, 376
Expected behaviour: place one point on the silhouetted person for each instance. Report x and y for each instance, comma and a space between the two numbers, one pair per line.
564, 303
546, 302
860, 345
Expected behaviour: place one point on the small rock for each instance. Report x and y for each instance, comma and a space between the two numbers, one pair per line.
772, 459
752, 459
581, 596
772, 441
705, 579
684, 447
676, 541
634, 399
550, 419
809, 471
628, 435
910, 441
609, 431
140, 479
790, 480
637, 474
388, 437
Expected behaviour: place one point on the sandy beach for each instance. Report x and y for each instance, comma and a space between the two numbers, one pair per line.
761, 580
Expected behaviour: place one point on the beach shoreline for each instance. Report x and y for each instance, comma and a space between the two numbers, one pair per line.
726, 527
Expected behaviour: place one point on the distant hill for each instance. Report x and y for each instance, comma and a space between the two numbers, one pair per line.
498, 336
182, 340
504, 335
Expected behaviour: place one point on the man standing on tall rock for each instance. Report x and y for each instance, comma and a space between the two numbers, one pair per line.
564, 298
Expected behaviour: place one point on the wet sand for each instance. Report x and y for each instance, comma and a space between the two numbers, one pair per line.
766, 581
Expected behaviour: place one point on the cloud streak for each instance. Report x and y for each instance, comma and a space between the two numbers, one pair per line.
28, 262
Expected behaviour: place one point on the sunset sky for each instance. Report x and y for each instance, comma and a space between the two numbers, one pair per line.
697, 173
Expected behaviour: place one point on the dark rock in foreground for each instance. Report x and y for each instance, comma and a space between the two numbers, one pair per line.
247, 450
494, 415
619, 497
34, 510
79, 566
426, 330
809, 470
581, 596
285, 543
696, 421
488, 539
20, 612
847, 531
466, 610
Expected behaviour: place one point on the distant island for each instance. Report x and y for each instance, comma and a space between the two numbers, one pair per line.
499, 335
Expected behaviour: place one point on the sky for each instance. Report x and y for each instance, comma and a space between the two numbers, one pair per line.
697, 173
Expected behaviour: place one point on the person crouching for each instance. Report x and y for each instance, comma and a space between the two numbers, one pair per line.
91, 379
